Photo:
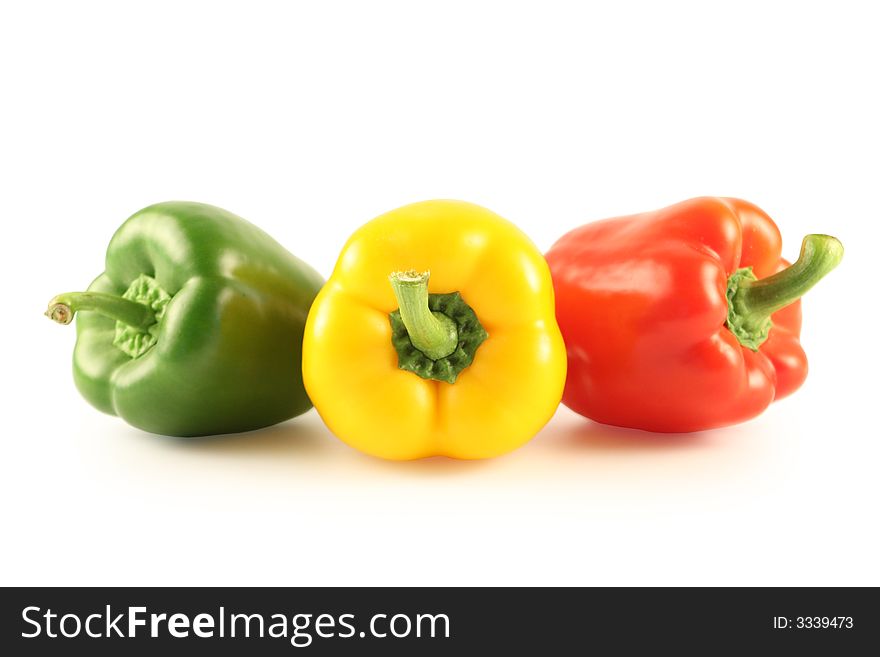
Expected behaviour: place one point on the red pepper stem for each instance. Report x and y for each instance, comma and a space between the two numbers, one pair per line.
137, 315
819, 255
751, 302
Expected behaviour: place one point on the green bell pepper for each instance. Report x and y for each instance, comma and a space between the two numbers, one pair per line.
196, 325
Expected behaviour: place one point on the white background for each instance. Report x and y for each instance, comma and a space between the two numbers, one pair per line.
311, 118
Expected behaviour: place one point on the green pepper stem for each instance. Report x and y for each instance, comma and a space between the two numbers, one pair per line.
434, 334
751, 302
63, 307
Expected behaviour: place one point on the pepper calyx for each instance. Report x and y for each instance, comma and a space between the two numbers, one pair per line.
454, 335
136, 341
751, 331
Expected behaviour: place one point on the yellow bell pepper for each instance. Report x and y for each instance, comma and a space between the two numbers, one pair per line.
472, 371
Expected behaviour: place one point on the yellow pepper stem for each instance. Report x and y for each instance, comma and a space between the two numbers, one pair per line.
432, 333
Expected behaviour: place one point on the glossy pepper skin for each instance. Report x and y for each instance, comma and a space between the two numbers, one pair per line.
654, 342
195, 327
479, 394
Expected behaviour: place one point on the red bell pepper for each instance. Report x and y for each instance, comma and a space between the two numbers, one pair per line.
683, 319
